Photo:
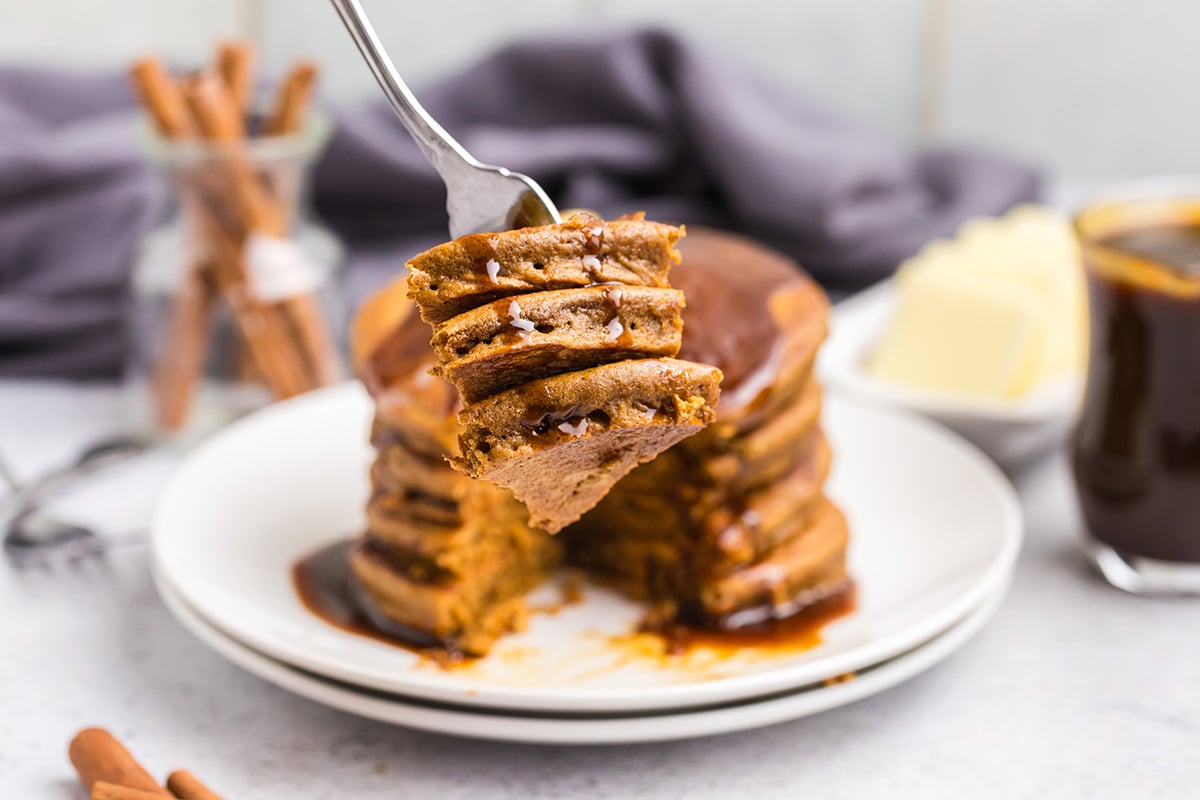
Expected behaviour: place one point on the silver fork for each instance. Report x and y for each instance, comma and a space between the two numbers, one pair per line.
34, 537
479, 197
91, 458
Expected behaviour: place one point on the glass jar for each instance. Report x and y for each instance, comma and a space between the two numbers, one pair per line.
1136, 449
235, 297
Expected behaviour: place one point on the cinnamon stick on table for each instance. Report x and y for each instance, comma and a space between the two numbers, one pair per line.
185, 786
103, 790
99, 757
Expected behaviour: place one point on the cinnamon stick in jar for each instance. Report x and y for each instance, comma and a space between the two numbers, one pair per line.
220, 121
179, 366
234, 62
162, 98
181, 362
292, 101
241, 216
288, 115
264, 215
291, 110
262, 328
172, 112
262, 325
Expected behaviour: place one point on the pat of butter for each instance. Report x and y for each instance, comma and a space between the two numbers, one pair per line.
963, 333
993, 312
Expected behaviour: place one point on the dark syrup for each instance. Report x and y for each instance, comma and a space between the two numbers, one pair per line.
324, 584
795, 633
1137, 444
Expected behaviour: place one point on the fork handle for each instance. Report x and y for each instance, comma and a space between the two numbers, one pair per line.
438, 146
105, 452
10, 478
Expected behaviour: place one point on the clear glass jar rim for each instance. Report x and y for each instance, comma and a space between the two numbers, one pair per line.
306, 143
1106, 201
1151, 187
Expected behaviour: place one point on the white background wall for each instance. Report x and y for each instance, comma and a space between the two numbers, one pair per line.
1087, 87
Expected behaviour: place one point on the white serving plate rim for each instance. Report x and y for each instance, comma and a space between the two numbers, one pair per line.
535, 729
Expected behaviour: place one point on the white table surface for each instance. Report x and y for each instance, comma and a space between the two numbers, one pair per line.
1073, 690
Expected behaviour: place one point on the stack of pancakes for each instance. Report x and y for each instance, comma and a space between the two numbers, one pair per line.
445, 559
731, 527
559, 340
727, 528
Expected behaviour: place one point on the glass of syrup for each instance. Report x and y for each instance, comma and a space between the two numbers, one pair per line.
1136, 449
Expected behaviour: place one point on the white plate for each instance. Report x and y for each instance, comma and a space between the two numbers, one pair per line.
532, 728
1013, 432
935, 529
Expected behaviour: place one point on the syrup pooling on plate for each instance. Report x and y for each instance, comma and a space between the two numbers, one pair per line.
323, 583
326, 587
789, 633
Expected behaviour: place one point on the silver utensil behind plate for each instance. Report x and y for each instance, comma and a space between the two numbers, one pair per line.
33, 537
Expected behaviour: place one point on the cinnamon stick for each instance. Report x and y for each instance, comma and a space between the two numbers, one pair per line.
243, 367
291, 110
99, 757
289, 341
103, 790
234, 64
264, 330
288, 116
234, 61
312, 328
181, 361
292, 100
218, 121
185, 786
161, 97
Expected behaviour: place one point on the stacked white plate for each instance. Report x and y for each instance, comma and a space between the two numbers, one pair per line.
935, 531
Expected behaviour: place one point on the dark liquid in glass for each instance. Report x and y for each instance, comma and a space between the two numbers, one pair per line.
1137, 446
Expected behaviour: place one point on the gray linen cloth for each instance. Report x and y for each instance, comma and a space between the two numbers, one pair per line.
615, 121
